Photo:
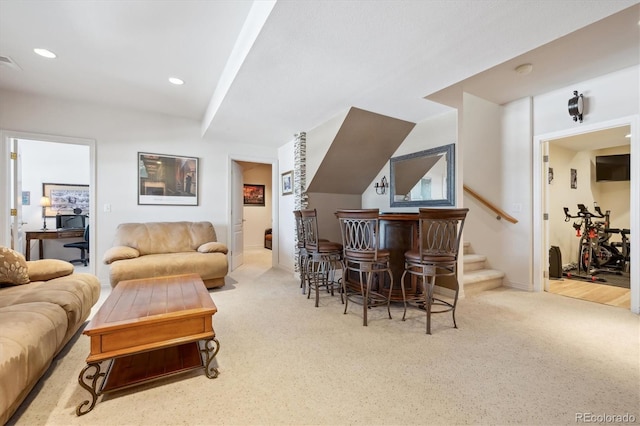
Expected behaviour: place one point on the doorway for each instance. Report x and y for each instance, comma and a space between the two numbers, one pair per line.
253, 213
45, 159
580, 184
576, 178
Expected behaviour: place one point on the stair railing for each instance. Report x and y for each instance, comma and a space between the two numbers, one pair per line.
501, 213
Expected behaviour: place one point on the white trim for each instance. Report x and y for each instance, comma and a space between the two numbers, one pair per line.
540, 233
5, 181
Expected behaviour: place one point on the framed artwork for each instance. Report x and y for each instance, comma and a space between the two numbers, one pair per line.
574, 179
253, 195
287, 182
66, 198
167, 180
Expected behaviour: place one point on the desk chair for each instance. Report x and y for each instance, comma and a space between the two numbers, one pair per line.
437, 256
83, 246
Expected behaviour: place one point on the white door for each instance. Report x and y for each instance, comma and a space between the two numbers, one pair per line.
237, 219
17, 235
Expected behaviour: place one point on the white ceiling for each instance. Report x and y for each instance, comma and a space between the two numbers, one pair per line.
310, 61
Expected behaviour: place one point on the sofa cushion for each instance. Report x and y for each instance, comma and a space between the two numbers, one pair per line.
75, 294
48, 269
207, 265
30, 336
13, 267
164, 237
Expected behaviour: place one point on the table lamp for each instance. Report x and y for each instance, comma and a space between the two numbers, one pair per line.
44, 202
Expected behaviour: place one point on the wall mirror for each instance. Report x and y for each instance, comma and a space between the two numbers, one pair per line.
425, 178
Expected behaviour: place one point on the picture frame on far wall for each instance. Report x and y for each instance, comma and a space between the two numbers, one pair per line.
253, 195
167, 180
66, 198
287, 182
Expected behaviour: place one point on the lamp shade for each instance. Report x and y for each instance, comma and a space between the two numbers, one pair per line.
45, 201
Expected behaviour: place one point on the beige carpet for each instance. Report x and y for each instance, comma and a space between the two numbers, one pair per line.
517, 358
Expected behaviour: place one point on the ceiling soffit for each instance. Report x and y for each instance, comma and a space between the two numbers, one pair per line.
606, 46
363, 145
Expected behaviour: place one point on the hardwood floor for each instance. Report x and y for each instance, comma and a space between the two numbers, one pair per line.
593, 292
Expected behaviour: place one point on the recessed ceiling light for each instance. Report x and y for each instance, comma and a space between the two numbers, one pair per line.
524, 69
176, 81
44, 53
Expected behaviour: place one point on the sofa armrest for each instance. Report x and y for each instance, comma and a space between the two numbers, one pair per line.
119, 253
213, 247
48, 269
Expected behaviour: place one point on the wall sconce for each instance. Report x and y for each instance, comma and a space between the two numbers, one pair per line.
44, 202
576, 106
381, 187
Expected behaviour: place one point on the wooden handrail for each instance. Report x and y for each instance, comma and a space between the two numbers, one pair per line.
501, 214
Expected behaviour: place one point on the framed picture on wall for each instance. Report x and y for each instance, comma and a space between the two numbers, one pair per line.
167, 179
287, 182
66, 198
253, 195
574, 179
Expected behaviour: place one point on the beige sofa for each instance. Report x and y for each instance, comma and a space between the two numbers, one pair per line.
154, 249
43, 303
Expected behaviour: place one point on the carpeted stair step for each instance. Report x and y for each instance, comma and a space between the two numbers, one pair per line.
481, 280
473, 262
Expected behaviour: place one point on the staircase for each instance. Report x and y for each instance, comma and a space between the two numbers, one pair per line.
476, 277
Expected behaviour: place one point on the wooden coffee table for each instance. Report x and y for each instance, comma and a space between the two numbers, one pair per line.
148, 329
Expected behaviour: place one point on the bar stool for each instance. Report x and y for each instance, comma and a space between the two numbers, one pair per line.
302, 252
322, 257
361, 254
437, 256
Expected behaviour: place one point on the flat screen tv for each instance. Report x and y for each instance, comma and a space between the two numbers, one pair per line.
70, 221
613, 167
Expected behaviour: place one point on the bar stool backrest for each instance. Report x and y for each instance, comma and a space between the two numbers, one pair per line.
299, 228
440, 233
359, 230
309, 220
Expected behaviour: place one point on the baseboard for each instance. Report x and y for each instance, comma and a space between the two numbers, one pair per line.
518, 286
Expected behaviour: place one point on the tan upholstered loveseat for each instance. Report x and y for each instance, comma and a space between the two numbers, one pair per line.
39, 314
154, 249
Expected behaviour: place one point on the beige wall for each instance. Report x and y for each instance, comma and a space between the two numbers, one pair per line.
257, 218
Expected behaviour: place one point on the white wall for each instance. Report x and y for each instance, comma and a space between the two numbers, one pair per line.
430, 133
48, 162
607, 97
319, 140
611, 100
286, 236
120, 134
258, 218
496, 149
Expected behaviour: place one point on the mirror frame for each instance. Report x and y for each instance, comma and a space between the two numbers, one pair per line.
450, 200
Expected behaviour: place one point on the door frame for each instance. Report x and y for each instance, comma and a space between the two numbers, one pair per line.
274, 198
540, 200
5, 181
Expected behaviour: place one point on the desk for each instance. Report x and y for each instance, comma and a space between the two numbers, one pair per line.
49, 234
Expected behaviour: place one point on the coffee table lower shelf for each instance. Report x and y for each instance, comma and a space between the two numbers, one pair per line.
131, 370
134, 369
